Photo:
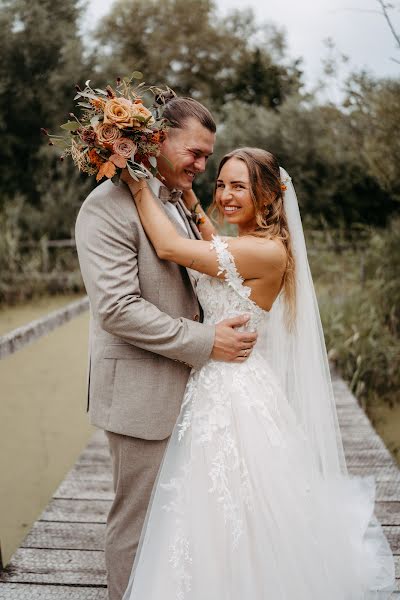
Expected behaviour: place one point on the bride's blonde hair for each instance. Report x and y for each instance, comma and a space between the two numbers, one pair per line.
266, 191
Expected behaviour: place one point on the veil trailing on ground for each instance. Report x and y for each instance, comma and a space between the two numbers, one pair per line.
299, 356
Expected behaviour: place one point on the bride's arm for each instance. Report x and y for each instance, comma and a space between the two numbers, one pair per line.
252, 255
201, 219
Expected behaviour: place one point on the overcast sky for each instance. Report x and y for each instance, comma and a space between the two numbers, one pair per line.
355, 25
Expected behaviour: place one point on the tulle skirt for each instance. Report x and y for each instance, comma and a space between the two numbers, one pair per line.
239, 512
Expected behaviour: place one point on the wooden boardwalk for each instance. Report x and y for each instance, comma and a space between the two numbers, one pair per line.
62, 556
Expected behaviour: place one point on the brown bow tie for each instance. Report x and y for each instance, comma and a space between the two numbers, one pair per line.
167, 195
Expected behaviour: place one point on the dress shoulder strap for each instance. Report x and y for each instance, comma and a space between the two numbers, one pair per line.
227, 267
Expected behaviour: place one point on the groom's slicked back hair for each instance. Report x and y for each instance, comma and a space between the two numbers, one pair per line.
178, 110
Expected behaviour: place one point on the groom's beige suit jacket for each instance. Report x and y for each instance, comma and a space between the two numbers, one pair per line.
144, 330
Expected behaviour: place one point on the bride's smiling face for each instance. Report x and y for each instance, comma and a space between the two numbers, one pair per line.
233, 195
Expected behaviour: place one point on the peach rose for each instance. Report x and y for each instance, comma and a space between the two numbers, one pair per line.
140, 115
107, 133
124, 147
118, 111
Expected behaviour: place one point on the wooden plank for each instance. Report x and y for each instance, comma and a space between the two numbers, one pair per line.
18, 591
393, 536
77, 511
17, 339
84, 489
62, 567
371, 458
389, 473
95, 456
388, 513
66, 536
98, 472
387, 491
353, 443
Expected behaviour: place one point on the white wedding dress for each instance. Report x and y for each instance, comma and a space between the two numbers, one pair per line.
237, 512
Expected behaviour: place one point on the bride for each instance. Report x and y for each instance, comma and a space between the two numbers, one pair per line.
253, 501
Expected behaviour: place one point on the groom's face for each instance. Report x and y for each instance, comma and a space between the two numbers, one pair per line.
184, 154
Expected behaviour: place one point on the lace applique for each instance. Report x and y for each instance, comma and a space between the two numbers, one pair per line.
227, 266
180, 555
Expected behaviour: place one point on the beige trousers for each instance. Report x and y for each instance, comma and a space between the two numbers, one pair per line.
135, 464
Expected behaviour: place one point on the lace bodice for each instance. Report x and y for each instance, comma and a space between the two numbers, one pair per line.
222, 299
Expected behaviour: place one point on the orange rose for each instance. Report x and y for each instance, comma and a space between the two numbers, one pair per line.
118, 111
141, 115
107, 133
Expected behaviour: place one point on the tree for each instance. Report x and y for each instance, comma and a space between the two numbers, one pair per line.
185, 44
41, 52
321, 147
374, 107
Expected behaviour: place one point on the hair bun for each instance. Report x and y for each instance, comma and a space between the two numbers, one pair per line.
164, 96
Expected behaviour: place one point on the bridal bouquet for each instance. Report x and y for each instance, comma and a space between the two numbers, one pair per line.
114, 130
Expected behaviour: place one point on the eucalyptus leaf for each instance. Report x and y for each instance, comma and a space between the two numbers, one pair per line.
95, 120
85, 105
70, 126
153, 161
132, 172
140, 174
87, 95
60, 143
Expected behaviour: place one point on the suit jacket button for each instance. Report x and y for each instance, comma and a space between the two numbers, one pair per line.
196, 317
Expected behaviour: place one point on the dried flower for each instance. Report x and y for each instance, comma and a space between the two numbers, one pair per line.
124, 147
88, 135
95, 158
141, 115
98, 103
107, 169
114, 130
107, 133
119, 112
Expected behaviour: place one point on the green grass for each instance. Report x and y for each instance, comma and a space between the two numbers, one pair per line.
358, 289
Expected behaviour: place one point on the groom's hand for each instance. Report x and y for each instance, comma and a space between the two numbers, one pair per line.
231, 345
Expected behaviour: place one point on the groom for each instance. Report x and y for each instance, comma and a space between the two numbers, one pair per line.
145, 333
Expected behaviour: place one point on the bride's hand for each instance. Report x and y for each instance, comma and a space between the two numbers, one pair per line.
190, 199
134, 186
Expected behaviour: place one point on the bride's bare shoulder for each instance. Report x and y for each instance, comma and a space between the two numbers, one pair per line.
266, 252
